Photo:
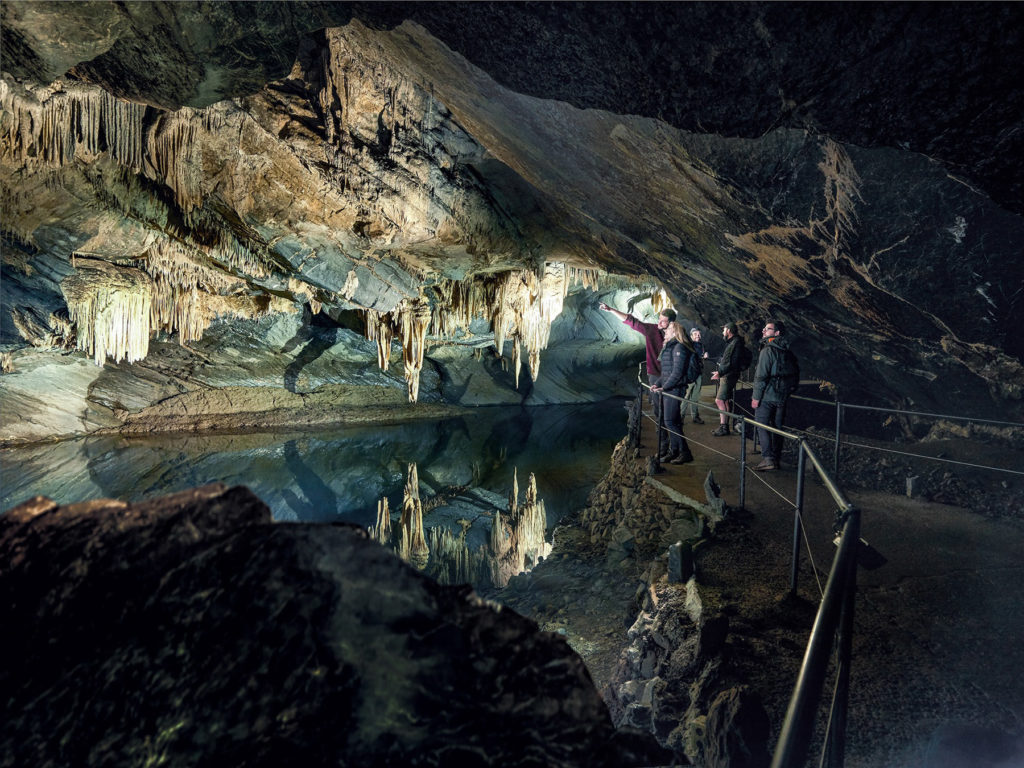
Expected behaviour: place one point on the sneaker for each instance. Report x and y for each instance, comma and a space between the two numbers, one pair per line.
698, 420
683, 458
736, 429
722, 431
766, 466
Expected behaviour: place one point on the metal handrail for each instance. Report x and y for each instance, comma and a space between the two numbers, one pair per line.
834, 620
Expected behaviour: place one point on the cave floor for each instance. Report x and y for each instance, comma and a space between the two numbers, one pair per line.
939, 619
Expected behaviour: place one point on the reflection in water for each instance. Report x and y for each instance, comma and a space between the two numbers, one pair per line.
337, 474
443, 546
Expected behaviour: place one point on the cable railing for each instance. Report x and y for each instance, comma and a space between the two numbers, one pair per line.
831, 634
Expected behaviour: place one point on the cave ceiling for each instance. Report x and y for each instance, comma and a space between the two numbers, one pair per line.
852, 168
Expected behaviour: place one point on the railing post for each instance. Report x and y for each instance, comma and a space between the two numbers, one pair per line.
743, 463
844, 650
661, 427
839, 419
639, 413
797, 519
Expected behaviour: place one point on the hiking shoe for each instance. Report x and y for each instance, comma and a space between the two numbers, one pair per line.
683, 458
766, 466
698, 420
722, 431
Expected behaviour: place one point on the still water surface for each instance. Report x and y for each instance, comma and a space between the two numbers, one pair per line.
336, 474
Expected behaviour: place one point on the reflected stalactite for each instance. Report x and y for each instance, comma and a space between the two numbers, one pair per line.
413, 546
515, 542
381, 532
518, 542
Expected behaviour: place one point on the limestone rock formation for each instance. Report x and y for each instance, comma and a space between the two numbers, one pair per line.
169, 168
192, 630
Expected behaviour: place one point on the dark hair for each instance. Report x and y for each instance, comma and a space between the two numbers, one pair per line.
731, 328
669, 313
780, 327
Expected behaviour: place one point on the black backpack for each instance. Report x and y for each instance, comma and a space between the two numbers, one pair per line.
694, 369
789, 373
746, 357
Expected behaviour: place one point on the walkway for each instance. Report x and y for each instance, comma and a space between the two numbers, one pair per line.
937, 677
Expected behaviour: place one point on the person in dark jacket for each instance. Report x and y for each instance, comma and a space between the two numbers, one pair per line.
675, 359
693, 387
728, 373
776, 377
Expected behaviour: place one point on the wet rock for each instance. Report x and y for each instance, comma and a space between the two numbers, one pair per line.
199, 630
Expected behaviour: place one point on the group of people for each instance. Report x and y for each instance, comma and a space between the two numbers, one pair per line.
675, 364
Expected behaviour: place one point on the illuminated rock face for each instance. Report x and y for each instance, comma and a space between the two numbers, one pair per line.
372, 171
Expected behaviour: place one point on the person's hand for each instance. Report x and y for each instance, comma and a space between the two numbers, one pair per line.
714, 375
655, 389
705, 355
754, 403
604, 307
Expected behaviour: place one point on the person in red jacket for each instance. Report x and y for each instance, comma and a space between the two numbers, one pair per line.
653, 333
654, 336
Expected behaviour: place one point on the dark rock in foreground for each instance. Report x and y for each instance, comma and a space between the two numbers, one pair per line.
191, 630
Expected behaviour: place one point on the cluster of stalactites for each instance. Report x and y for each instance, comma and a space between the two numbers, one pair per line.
182, 283
520, 307
115, 308
69, 123
517, 543
588, 277
410, 321
110, 307
79, 121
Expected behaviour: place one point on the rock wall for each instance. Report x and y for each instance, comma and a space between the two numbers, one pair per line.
672, 676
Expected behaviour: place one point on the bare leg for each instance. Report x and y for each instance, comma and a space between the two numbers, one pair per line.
723, 405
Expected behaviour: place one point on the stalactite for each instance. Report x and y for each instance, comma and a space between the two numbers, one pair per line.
414, 544
110, 308
519, 306
380, 328
660, 300
415, 318
53, 127
517, 358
